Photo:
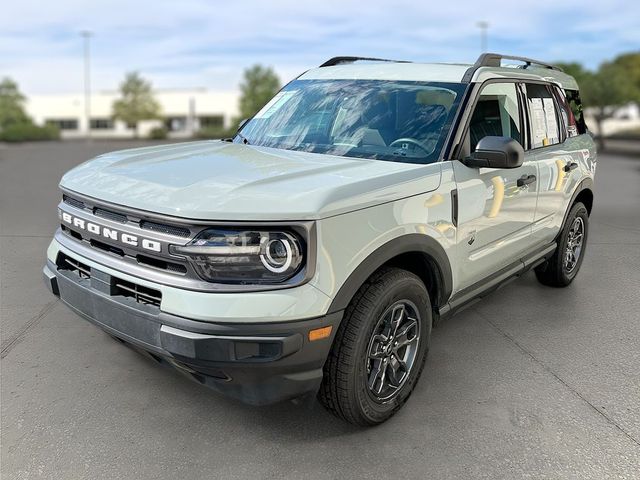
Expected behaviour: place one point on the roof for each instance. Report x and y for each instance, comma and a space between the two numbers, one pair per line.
417, 72
353, 68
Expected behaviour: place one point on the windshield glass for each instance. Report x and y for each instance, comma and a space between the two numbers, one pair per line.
379, 119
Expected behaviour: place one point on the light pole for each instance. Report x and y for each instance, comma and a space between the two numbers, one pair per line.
86, 35
483, 26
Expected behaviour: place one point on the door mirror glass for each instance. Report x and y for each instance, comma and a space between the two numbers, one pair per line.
496, 152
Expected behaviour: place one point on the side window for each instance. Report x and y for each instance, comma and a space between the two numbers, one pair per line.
573, 96
497, 113
543, 119
568, 118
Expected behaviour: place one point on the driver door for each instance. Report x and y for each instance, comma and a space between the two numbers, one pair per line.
495, 211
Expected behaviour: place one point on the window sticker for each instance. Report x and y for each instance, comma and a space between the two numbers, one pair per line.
551, 120
538, 123
275, 104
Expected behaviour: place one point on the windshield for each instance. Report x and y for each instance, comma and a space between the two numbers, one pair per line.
378, 119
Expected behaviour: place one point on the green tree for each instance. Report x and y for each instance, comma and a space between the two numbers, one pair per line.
11, 104
629, 63
259, 86
137, 102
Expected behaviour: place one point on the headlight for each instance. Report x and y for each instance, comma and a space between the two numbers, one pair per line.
252, 256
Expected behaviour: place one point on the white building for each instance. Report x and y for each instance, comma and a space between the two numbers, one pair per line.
183, 112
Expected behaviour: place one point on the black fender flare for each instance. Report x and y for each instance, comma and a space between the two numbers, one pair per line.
585, 184
409, 243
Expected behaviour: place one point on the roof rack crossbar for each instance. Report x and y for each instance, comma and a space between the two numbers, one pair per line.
340, 60
495, 60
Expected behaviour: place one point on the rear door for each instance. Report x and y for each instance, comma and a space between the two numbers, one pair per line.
495, 211
557, 151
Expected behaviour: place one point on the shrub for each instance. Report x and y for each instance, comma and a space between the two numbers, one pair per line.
158, 133
27, 132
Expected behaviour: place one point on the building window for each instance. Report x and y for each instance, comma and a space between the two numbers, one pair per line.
176, 124
101, 124
63, 123
212, 121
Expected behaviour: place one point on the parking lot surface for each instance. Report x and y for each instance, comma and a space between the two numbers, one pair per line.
532, 382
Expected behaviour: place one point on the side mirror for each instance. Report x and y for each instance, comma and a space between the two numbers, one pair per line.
496, 152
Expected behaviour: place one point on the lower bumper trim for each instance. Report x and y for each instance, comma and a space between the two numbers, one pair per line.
258, 363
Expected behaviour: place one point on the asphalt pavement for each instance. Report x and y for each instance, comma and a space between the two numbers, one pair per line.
532, 382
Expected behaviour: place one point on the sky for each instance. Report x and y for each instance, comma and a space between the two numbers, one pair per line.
200, 43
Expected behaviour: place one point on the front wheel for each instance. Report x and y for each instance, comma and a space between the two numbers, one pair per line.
379, 350
563, 266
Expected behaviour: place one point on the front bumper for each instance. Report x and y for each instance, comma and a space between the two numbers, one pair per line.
257, 363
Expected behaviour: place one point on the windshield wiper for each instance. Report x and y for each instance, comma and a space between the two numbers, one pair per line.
243, 138
238, 134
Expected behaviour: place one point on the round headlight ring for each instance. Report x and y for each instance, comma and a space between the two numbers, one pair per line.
273, 264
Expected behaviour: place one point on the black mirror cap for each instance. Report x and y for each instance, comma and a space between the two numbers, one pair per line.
496, 152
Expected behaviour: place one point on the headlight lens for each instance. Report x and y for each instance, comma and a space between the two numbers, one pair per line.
244, 256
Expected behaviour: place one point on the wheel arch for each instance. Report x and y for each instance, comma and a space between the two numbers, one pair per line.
583, 193
586, 197
417, 253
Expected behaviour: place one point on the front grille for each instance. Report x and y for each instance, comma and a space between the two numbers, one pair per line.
109, 215
161, 264
144, 295
65, 262
106, 247
92, 230
73, 202
169, 229
70, 232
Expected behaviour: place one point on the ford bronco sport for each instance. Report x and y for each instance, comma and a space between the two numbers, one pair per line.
314, 251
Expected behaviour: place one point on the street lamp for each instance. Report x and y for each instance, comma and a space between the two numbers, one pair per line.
86, 35
483, 26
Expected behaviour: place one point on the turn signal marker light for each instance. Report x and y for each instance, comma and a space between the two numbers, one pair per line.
319, 333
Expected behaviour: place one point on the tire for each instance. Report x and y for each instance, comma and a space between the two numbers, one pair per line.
365, 330
557, 271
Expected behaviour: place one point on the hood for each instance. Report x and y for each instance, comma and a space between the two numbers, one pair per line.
216, 180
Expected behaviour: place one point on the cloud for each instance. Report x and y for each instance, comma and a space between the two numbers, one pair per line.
208, 43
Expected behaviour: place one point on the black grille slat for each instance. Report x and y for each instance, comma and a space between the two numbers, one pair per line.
109, 215
161, 264
106, 247
176, 268
168, 229
65, 262
82, 269
73, 202
140, 294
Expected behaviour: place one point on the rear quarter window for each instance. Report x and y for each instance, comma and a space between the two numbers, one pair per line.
570, 125
575, 104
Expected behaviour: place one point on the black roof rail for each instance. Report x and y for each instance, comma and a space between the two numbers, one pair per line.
495, 60
340, 60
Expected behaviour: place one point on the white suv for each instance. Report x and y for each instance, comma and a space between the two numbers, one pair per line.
316, 249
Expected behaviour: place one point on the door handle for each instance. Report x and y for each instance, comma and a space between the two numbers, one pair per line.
526, 180
570, 166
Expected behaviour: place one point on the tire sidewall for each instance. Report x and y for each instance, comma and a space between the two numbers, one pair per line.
409, 288
579, 210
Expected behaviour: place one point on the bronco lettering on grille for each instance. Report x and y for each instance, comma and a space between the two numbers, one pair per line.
111, 233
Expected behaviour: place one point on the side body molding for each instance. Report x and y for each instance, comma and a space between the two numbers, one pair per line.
411, 243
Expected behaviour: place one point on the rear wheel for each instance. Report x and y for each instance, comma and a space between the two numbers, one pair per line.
563, 266
379, 350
